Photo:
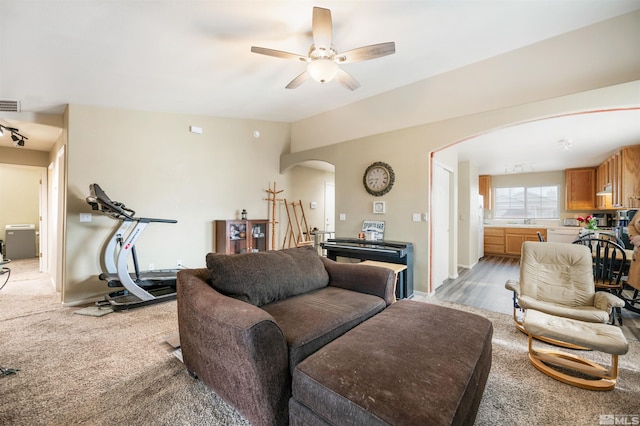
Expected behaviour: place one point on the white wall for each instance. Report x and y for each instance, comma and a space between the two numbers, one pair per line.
469, 219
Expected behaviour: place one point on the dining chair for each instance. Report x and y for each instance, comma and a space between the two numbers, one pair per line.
604, 235
609, 266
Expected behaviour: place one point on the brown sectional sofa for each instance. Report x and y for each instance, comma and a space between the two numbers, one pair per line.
247, 320
252, 324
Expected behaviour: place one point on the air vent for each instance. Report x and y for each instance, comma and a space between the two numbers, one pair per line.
9, 106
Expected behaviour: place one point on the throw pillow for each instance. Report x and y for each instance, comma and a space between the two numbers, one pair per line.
268, 276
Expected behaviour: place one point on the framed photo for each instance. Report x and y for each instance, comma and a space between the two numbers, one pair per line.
379, 207
375, 226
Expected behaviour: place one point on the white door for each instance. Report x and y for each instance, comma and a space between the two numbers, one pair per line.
330, 207
440, 225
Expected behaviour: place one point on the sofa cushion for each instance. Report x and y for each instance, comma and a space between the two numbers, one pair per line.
265, 277
311, 320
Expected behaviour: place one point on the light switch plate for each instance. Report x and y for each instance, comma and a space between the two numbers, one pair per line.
343, 216
85, 217
416, 217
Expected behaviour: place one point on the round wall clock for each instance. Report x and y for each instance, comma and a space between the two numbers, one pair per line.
378, 178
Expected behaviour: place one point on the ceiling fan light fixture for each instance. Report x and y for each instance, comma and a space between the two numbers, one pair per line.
322, 70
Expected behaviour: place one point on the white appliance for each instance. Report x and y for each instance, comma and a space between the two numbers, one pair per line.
481, 226
563, 234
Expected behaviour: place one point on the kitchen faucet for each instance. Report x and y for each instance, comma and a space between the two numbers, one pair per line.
527, 221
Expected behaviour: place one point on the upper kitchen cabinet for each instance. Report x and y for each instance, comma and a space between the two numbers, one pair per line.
618, 180
580, 185
624, 172
603, 186
484, 187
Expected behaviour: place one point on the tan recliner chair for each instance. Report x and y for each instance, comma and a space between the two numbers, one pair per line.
557, 293
557, 279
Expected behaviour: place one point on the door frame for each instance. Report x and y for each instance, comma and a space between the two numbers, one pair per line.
448, 217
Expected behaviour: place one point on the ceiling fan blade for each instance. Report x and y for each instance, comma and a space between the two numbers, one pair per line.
321, 27
367, 52
346, 80
278, 53
298, 80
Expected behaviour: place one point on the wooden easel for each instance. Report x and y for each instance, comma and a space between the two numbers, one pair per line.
273, 201
297, 233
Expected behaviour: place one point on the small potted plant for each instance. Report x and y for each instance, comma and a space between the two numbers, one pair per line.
590, 224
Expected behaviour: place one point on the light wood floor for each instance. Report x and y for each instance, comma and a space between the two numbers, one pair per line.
483, 287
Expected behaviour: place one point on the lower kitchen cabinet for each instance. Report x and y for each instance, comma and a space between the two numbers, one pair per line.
493, 241
508, 241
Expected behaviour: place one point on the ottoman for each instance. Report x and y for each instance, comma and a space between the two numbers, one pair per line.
591, 375
412, 364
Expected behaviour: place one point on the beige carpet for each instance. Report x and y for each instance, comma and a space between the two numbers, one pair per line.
117, 369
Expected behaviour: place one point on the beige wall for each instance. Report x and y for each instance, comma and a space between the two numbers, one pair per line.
577, 71
408, 152
308, 185
24, 157
19, 195
153, 164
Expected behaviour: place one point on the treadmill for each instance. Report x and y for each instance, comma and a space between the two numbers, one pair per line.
139, 288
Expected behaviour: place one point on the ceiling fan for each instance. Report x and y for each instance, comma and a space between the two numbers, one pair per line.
322, 59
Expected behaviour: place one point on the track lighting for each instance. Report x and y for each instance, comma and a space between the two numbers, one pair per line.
18, 139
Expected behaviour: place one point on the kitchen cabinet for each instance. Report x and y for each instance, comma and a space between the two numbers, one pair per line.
493, 241
620, 173
603, 181
484, 187
508, 241
580, 185
514, 237
626, 178
241, 236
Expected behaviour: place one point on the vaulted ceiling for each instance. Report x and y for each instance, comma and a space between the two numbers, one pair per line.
194, 56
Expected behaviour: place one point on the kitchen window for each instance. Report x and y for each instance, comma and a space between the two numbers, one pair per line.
526, 202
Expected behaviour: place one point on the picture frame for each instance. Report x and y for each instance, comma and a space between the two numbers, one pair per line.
379, 207
374, 226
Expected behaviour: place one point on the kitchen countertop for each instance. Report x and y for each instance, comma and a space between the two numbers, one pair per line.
521, 225
534, 226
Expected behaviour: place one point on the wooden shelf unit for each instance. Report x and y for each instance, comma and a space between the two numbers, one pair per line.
242, 236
